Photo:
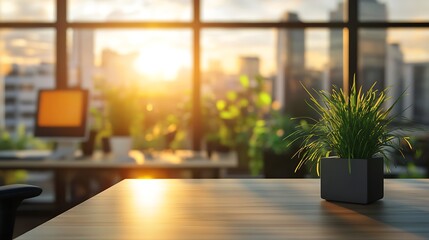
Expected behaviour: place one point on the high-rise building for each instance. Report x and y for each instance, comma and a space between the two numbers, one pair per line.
21, 86
417, 85
287, 89
372, 46
214, 80
394, 77
249, 66
336, 50
29, 69
81, 64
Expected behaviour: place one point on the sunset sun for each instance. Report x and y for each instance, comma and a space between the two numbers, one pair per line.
160, 63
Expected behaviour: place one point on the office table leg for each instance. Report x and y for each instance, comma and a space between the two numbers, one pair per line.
221, 173
207, 173
60, 188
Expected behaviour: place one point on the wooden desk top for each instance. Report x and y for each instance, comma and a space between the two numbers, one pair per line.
179, 160
240, 209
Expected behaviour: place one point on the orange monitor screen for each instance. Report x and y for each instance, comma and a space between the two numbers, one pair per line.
60, 109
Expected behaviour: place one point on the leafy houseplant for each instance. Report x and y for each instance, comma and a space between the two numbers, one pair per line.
211, 125
270, 151
239, 111
20, 140
98, 133
354, 128
122, 110
122, 107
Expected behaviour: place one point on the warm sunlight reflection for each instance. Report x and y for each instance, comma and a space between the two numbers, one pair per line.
137, 156
171, 158
160, 62
148, 194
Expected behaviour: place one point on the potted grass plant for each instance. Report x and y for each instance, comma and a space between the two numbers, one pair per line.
349, 143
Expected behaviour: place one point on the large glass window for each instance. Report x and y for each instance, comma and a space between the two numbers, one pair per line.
153, 66
252, 82
398, 59
27, 63
284, 58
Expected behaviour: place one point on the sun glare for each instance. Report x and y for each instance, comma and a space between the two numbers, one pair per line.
148, 194
160, 62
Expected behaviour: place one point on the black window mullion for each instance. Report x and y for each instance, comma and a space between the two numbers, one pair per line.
196, 82
393, 24
351, 69
61, 45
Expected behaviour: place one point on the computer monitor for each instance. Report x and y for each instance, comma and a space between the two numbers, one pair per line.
62, 116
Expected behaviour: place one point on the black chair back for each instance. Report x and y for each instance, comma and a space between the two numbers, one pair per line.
11, 197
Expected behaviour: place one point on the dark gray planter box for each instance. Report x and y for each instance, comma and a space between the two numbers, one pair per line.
363, 185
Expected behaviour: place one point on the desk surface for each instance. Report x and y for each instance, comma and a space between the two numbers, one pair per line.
240, 209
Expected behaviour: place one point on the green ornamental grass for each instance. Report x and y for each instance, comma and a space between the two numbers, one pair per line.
350, 127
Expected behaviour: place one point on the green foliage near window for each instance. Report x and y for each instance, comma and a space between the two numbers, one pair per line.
270, 134
153, 122
240, 110
167, 133
237, 114
354, 127
122, 105
412, 172
100, 125
211, 120
19, 140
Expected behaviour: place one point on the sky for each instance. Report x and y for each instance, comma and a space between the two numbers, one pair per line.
156, 10
309, 10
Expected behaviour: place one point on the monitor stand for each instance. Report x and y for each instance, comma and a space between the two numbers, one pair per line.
64, 150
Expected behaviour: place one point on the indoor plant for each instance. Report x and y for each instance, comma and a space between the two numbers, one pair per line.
355, 129
269, 151
122, 113
212, 124
239, 111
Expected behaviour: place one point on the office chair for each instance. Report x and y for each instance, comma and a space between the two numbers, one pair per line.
11, 197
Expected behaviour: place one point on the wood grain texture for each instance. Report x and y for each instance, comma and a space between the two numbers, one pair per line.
240, 209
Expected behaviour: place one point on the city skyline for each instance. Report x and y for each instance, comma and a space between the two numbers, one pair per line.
224, 45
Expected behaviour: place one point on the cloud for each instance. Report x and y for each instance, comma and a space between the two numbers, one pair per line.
100, 10
266, 10
409, 10
34, 44
20, 10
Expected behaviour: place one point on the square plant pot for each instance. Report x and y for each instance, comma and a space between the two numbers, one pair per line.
363, 184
